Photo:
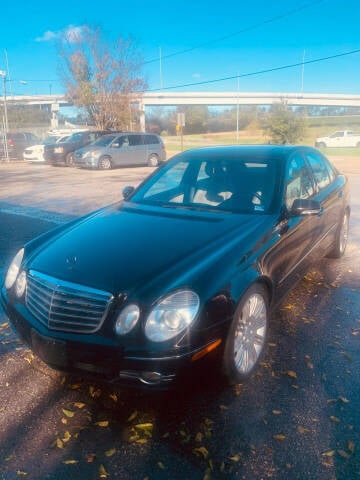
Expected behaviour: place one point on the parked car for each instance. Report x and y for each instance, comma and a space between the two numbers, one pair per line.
184, 271
63, 153
125, 149
35, 153
341, 138
16, 144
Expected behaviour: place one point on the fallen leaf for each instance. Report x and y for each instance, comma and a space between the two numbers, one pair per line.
21, 473
302, 430
90, 457
79, 405
334, 419
102, 472
343, 454
198, 437
133, 416
59, 443
328, 453
141, 441
351, 446
113, 397
103, 423
279, 436
68, 413
70, 462
110, 453
161, 465
67, 436
291, 374
277, 412
144, 426
236, 458
344, 399
64, 421
202, 451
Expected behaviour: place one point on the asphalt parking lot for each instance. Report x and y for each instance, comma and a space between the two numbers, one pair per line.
297, 418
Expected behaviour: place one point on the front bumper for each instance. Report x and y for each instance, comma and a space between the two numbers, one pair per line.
102, 359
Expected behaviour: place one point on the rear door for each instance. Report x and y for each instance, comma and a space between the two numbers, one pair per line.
330, 193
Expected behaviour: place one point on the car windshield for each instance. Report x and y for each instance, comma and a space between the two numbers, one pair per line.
104, 141
51, 139
232, 185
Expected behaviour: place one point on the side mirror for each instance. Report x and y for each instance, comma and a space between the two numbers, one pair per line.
127, 191
303, 207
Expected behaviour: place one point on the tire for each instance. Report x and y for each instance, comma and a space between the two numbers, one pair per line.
341, 238
247, 335
153, 160
69, 159
105, 163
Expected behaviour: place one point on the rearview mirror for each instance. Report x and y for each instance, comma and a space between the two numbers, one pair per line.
127, 191
304, 206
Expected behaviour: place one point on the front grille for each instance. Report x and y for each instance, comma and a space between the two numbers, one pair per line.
66, 306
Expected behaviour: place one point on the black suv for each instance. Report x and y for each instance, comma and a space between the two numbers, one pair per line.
62, 152
16, 144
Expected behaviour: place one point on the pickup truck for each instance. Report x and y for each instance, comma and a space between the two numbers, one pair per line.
341, 138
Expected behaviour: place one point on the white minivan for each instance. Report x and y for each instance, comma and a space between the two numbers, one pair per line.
122, 149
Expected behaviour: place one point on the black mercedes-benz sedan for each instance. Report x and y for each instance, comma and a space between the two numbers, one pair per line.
184, 271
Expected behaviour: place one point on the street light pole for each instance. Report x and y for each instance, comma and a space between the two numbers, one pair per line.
3, 75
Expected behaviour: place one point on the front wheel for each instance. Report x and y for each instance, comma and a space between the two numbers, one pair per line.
69, 159
341, 237
105, 163
247, 335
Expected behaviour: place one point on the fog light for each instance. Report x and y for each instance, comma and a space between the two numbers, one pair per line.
20, 284
127, 319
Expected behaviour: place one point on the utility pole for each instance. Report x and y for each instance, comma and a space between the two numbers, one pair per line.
3, 75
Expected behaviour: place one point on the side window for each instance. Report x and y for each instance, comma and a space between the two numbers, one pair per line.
319, 169
151, 139
298, 181
135, 140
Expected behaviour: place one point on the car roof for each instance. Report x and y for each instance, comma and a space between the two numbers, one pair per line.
243, 151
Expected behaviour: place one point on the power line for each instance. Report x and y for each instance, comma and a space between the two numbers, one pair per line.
258, 72
246, 29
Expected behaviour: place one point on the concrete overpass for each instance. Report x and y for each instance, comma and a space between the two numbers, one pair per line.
204, 98
208, 98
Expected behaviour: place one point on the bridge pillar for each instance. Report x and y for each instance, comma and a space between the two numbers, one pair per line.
142, 117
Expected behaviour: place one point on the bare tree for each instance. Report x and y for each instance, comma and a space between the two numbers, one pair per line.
101, 76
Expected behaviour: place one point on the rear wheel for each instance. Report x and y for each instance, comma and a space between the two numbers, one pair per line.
341, 238
247, 335
153, 160
105, 163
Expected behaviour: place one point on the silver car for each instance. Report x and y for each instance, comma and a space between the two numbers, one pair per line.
117, 150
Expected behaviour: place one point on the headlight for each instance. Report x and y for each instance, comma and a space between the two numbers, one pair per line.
20, 284
13, 270
127, 319
172, 315
92, 153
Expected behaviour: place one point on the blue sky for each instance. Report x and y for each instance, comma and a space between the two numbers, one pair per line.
323, 28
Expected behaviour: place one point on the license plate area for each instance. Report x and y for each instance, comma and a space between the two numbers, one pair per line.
50, 350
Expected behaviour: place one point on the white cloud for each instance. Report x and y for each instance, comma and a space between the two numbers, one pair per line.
196, 75
48, 35
72, 34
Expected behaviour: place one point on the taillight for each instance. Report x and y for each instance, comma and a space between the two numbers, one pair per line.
11, 142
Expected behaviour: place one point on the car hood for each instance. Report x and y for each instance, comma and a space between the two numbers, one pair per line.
123, 247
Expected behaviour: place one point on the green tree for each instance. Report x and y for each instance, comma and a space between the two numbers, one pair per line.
196, 118
283, 126
101, 76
